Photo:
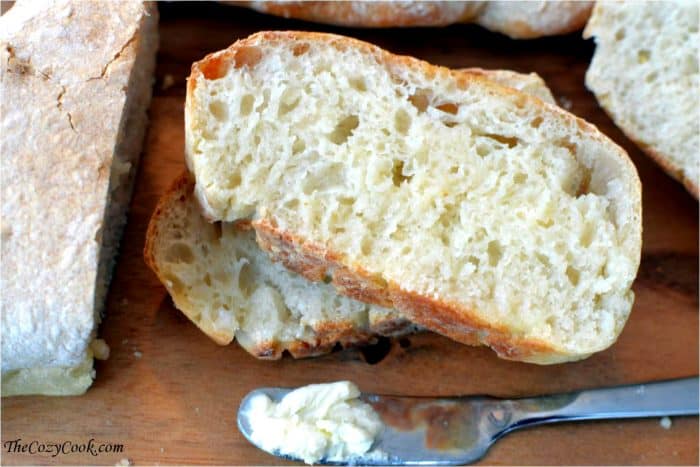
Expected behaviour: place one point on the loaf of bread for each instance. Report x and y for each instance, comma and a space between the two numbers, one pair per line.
475, 210
76, 84
645, 75
221, 280
519, 20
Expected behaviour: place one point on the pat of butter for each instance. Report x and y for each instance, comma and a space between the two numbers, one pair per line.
319, 421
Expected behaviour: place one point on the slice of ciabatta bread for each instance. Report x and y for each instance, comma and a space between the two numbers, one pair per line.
305, 318
519, 20
476, 210
222, 281
645, 75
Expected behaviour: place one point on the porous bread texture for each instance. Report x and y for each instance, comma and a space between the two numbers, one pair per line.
183, 249
645, 75
518, 20
222, 281
74, 102
475, 210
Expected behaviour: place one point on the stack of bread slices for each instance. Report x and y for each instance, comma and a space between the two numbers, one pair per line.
337, 192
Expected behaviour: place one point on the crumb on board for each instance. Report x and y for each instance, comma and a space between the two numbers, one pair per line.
138, 354
168, 81
162, 450
124, 462
565, 102
100, 349
125, 341
665, 423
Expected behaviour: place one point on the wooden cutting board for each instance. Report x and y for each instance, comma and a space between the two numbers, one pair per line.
169, 395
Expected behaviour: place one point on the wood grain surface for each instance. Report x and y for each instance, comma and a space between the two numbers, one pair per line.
169, 394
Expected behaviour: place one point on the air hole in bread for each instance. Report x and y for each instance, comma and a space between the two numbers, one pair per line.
246, 280
179, 253
358, 84
511, 142
619, 34
343, 130
587, 235
247, 56
375, 353
207, 280
366, 246
420, 99
495, 252
482, 150
327, 279
584, 184
450, 124
544, 260
288, 102
247, 102
234, 180
402, 121
651, 77
298, 146
219, 110
265, 101
573, 274
536, 122
546, 223
300, 49
397, 175
217, 230
643, 56
449, 108
520, 178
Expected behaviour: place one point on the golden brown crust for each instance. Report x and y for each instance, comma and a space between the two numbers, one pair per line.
314, 263
524, 21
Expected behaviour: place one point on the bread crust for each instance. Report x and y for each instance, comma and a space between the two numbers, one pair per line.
524, 20
316, 263
327, 334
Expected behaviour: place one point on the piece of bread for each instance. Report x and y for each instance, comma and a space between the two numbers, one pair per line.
222, 281
76, 84
477, 211
518, 20
218, 276
645, 75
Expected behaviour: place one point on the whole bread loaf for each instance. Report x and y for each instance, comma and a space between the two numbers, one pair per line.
519, 20
76, 84
475, 210
645, 74
222, 281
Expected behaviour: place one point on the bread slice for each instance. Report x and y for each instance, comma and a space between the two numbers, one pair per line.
222, 281
645, 75
518, 20
76, 84
475, 210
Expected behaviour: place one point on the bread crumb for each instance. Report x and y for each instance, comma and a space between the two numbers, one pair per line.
565, 102
665, 423
125, 341
162, 450
168, 81
196, 410
100, 349
138, 354
124, 461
